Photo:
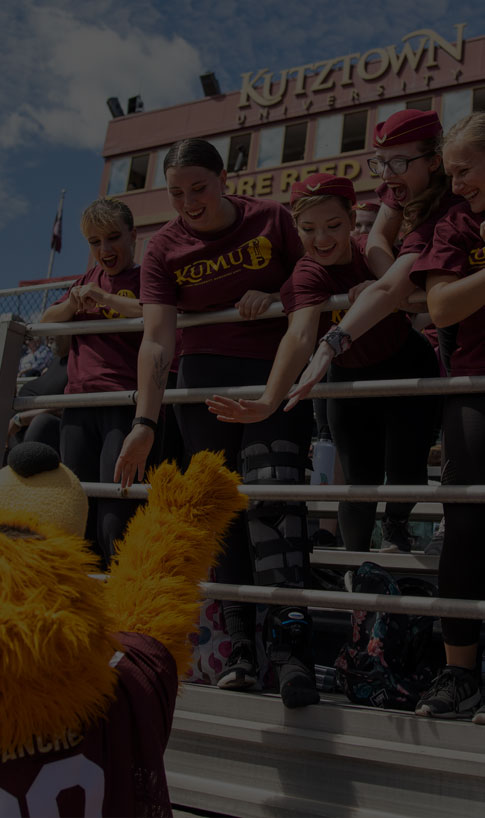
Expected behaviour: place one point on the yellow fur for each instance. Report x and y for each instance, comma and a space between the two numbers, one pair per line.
168, 548
56, 621
54, 634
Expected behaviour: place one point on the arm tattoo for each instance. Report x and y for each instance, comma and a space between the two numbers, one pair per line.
160, 371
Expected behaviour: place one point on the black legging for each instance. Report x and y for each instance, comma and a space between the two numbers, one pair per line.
462, 563
378, 438
91, 440
201, 430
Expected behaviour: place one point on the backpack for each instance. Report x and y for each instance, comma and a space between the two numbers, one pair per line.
387, 662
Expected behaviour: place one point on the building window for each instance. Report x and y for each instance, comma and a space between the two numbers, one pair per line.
159, 175
294, 142
221, 144
454, 106
270, 146
388, 109
118, 176
421, 104
328, 136
127, 173
138, 172
354, 131
478, 99
282, 144
238, 152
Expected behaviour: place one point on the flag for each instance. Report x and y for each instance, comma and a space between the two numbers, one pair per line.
56, 240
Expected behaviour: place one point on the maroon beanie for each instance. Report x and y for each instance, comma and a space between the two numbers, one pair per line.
410, 125
323, 184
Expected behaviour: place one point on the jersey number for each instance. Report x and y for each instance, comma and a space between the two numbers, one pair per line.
53, 778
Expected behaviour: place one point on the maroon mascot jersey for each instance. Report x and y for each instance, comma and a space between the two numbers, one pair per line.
116, 768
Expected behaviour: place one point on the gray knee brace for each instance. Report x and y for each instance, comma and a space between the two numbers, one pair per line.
277, 529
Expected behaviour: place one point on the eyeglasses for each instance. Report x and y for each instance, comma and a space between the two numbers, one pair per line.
398, 165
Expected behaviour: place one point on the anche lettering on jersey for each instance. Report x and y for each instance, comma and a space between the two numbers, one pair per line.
252, 255
38, 744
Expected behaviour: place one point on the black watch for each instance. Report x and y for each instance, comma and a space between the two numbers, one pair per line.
144, 422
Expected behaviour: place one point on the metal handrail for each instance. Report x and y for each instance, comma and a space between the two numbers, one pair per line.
360, 494
343, 600
275, 310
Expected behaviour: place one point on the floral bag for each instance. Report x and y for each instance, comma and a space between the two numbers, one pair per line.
387, 662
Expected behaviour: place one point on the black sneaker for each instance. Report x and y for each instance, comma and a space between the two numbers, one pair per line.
241, 671
454, 693
395, 537
297, 684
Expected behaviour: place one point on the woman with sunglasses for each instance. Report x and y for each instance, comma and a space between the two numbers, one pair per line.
414, 195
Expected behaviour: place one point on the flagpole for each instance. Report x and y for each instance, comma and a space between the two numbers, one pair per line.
53, 249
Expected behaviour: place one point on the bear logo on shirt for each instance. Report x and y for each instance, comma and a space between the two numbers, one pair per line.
252, 255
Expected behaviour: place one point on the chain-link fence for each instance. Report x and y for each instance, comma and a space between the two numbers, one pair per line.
28, 303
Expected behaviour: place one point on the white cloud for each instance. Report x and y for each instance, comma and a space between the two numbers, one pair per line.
64, 68
12, 204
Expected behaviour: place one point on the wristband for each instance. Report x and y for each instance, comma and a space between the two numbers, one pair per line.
144, 422
336, 338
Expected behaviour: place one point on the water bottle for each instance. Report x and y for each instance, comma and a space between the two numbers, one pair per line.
323, 463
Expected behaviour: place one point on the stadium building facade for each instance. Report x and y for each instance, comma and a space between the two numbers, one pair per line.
281, 127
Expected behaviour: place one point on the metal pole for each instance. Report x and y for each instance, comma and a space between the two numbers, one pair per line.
292, 492
341, 600
53, 250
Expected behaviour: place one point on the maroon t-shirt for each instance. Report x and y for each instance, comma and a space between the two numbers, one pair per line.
458, 248
104, 362
115, 769
205, 272
311, 283
416, 241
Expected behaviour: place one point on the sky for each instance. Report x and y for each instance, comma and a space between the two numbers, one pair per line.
61, 59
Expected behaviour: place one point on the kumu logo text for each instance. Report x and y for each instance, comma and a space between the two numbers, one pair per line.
252, 255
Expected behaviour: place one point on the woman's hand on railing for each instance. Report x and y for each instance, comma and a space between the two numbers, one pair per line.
354, 292
254, 303
239, 411
133, 456
312, 375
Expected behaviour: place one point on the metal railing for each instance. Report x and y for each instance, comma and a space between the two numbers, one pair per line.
413, 386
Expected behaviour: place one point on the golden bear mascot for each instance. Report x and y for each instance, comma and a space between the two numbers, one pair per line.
89, 669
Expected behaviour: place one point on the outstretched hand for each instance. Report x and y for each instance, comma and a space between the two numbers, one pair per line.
133, 456
312, 375
239, 411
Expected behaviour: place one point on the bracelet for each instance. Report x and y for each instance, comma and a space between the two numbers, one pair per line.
17, 420
336, 338
144, 422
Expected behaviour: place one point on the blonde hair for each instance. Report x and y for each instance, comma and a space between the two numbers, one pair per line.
105, 214
419, 209
471, 129
305, 202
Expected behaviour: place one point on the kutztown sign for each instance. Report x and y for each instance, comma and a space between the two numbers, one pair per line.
266, 89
